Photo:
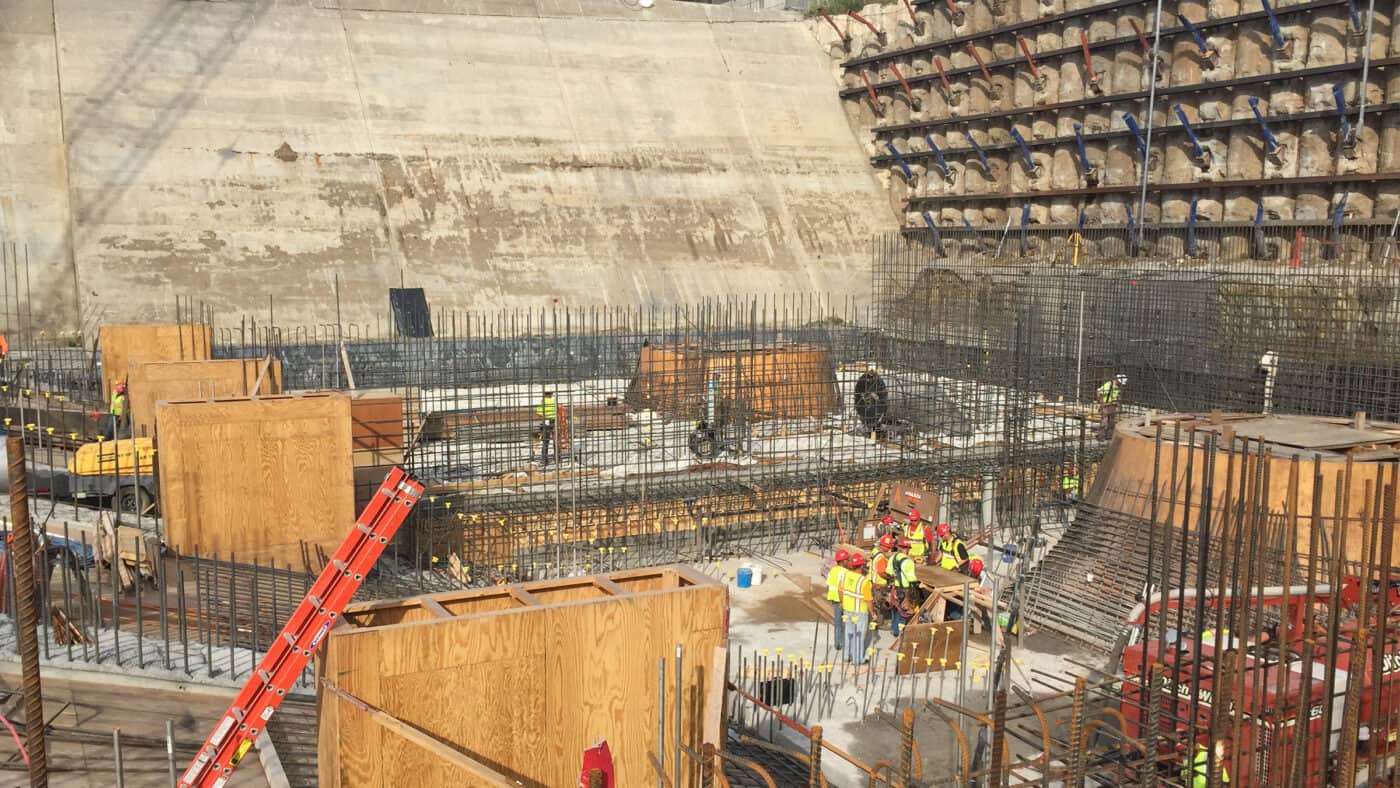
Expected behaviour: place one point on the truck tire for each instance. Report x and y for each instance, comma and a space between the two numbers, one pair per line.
135, 500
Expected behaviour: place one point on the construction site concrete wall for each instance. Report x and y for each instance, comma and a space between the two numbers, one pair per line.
976, 113
495, 152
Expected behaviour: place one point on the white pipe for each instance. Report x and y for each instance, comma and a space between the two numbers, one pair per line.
1269, 363
1136, 617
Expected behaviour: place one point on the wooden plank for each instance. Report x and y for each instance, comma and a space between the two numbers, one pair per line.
149, 382
256, 478
121, 345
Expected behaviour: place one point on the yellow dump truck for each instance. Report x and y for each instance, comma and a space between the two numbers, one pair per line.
122, 469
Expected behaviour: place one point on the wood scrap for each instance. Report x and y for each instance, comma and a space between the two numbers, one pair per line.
64, 632
109, 552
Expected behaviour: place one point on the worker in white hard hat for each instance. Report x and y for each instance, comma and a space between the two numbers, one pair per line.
1108, 396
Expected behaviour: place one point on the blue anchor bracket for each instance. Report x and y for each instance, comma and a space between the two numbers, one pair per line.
1091, 174
1261, 241
1283, 45
1191, 246
1273, 149
938, 158
981, 155
1199, 153
1356, 33
1032, 169
1346, 133
937, 236
1209, 55
903, 165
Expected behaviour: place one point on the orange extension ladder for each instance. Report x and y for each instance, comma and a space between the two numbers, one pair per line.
305, 630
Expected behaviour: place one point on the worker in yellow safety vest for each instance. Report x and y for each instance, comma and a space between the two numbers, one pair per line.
835, 577
548, 411
1069, 484
1108, 395
116, 411
952, 551
920, 540
880, 577
1196, 774
855, 604
904, 599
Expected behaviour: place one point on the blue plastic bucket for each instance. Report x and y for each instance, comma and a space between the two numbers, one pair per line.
745, 577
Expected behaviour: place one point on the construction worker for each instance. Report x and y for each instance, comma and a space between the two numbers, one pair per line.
835, 577
548, 411
952, 550
904, 596
920, 540
1108, 395
1069, 484
855, 604
1196, 773
116, 412
880, 577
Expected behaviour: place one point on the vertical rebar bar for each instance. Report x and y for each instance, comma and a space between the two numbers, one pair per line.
26, 615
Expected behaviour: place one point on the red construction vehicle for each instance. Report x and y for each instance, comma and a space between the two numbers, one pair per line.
1267, 733
247, 716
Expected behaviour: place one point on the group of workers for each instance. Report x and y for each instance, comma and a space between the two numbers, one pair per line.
887, 584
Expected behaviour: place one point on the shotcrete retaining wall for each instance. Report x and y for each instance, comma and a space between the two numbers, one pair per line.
495, 152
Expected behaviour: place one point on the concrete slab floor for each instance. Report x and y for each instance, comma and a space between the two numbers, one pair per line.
773, 628
83, 715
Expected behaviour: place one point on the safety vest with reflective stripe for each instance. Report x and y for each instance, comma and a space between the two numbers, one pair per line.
833, 583
1197, 773
855, 593
902, 570
952, 553
1070, 483
547, 409
880, 569
918, 539
118, 407
1109, 393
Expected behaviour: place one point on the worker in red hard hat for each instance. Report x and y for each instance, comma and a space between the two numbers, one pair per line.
835, 577
855, 605
952, 550
904, 595
974, 568
887, 525
880, 577
920, 541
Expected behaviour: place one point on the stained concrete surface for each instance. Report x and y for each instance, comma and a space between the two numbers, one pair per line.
93, 709
249, 152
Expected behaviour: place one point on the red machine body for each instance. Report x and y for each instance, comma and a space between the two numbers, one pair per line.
1268, 703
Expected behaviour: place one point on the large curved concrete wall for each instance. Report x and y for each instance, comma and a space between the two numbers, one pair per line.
495, 152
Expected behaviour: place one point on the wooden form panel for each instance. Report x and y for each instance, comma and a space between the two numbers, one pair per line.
121, 345
384, 751
532, 684
257, 479
1123, 483
149, 382
784, 382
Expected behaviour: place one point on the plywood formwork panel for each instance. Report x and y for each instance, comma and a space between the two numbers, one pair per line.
149, 382
257, 478
1124, 479
122, 345
522, 685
